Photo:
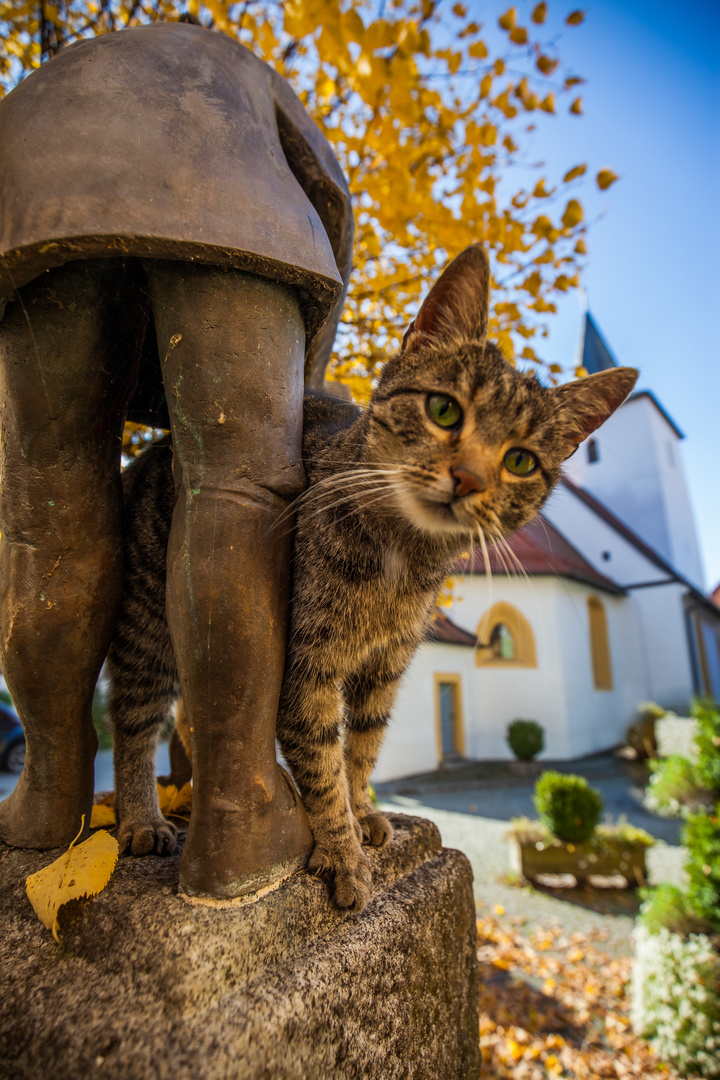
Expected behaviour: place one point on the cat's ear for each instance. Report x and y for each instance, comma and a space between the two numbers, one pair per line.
458, 303
587, 403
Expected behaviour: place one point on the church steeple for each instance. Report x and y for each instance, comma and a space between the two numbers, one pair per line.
595, 354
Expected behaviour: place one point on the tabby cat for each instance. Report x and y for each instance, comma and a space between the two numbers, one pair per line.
455, 446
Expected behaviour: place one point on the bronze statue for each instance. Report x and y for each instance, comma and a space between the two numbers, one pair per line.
175, 244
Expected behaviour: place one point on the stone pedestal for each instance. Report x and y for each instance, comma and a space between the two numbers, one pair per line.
147, 985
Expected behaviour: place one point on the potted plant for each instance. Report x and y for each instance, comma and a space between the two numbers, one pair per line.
568, 840
526, 739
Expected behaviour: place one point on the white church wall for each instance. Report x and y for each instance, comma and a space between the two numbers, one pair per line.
684, 548
664, 639
627, 475
506, 693
598, 719
411, 741
595, 538
639, 476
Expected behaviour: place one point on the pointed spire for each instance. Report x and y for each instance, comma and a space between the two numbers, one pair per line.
595, 354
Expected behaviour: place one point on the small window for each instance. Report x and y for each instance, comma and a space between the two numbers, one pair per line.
505, 638
503, 643
599, 645
593, 451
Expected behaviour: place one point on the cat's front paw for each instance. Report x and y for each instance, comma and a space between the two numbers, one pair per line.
376, 829
144, 836
350, 870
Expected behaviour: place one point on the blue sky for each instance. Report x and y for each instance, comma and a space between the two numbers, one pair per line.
651, 113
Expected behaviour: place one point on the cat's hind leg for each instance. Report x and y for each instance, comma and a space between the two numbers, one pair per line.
143, 689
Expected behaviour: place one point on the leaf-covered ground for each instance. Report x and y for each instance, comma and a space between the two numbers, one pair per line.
556, 1005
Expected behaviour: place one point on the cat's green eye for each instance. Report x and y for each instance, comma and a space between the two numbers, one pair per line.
520, 462
444, 410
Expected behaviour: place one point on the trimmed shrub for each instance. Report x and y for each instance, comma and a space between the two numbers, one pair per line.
674, 786
526, 739
676, 998
568, 806
702, 839
666, 907
707, 740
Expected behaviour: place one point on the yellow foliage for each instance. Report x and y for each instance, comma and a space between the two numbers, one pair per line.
174, 803
575, 18
420, 143
605, 178
572, 174
102, 817
573, 214
82, 871
507, 21
546, 64
576, 107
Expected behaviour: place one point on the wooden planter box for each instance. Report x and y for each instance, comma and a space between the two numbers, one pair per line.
612, 857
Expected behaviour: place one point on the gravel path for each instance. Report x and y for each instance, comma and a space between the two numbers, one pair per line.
476, 821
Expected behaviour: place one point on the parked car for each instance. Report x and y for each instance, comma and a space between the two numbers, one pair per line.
12, 741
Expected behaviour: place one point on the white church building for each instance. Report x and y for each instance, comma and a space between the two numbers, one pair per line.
610, 612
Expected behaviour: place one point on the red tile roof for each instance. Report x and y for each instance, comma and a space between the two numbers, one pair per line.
442, 630
543, 552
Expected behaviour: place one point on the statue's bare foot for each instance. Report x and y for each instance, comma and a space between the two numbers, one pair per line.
236, 846
32, 818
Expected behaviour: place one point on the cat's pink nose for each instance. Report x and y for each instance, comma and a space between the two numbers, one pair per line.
466, 482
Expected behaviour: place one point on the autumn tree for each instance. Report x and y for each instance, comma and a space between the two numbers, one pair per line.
430, 115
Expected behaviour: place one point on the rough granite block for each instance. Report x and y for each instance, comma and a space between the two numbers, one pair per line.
147, 985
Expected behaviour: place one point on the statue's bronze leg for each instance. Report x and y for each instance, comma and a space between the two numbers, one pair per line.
63, 387
232, 349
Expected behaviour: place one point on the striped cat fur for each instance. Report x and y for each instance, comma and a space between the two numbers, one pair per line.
456, 447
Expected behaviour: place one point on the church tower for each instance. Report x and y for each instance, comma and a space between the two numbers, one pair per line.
633, 465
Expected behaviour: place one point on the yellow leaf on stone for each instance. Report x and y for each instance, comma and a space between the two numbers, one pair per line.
82, 871
174, 803
102, 817
573, 214
605, 178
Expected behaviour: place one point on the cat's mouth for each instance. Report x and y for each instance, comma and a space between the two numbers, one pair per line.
436, 512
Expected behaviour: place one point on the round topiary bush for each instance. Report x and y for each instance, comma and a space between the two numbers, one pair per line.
526, 739
568, 806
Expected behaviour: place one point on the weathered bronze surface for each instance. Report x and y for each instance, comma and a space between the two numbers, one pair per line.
171, 141
173, 231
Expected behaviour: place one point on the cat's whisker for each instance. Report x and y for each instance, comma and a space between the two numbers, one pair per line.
483, 628
354, 495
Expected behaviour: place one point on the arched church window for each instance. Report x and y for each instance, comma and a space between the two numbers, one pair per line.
593, 451
599, 645
505, 638
502, 642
